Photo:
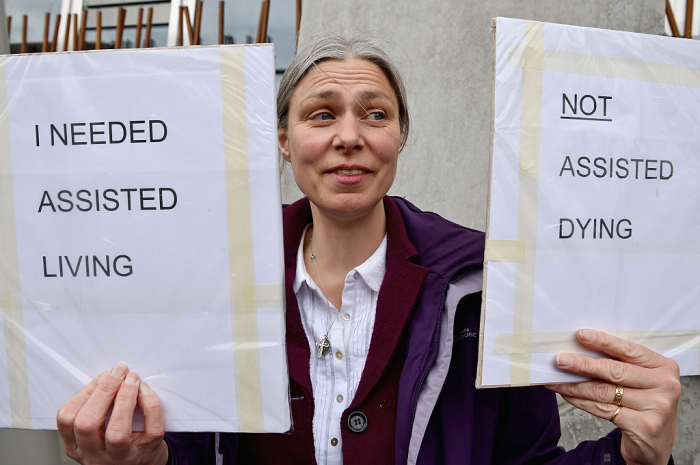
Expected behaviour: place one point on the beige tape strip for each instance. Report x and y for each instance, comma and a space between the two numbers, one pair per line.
504, 251
269, 295
11, 298
528, 156
565, 341
612, 67
5, 302
241, 268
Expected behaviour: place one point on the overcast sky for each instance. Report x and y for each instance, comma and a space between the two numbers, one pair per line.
241, 19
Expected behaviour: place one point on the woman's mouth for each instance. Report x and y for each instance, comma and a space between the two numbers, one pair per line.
350, 171
349, 175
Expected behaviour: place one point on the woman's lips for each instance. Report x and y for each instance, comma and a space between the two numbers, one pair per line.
348, 174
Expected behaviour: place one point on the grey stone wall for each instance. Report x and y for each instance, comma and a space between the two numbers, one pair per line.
444, 50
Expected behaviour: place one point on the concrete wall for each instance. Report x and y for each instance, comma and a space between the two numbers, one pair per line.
444, 49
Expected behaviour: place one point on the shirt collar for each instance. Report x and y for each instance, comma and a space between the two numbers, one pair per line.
372, 271
302, 276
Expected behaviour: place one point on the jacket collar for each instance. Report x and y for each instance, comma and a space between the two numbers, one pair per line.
298, 215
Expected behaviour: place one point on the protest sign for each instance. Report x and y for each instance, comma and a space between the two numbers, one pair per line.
594, 208
140, 222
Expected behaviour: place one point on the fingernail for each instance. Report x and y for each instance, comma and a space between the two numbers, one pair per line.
564, 360
586, 335
131, 378
119, 370
145, 389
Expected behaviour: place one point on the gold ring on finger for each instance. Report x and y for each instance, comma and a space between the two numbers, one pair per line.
612, 420
619, 390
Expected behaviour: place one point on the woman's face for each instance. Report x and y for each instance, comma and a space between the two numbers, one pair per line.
343, 137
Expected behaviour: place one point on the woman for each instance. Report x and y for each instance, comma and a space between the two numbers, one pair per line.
375, 292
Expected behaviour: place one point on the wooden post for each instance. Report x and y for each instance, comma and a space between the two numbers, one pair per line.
260, 22
298, 21
671, 20
23, 48
9, 27
98, 31
83, 26
75, 31
180, 26
149, 23
54, 43
689, 19
197, 22
139, 24
120, 27
221, 22
190, 33
266, 20
66, 36
45, 42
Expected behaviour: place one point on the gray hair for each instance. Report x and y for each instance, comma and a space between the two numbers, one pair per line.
332, 46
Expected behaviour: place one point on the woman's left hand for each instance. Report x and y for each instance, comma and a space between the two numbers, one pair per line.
651, 391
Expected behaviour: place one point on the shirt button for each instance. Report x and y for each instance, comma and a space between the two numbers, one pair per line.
334, 442
346, 317
339, 355
339, 398
357, 422
356, 275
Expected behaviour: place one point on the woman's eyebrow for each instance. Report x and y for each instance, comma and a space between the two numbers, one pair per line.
373, 95
363, 97
327, 94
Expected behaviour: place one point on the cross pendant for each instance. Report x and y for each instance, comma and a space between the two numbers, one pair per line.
324, 346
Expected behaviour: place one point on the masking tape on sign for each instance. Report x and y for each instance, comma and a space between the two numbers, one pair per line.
11, 295
504, 251
606, 66
268, 296
528, 156
244, 317
5, 302
565, 341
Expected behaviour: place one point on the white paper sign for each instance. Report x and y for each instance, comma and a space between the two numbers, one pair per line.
594, 216
141, 223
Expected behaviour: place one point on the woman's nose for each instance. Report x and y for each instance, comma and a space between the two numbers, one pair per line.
348, 136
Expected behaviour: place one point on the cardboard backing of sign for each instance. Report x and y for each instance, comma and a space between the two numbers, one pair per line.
594, 202
140, 222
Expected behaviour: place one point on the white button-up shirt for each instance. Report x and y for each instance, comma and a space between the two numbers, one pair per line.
336, 376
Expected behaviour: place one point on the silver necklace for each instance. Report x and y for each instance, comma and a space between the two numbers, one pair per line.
324, 345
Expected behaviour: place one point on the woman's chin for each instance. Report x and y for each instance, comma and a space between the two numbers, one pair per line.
347, 206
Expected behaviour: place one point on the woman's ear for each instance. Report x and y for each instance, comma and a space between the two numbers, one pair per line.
283, 142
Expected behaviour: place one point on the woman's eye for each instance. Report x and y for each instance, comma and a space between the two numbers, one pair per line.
376, 116
324, 116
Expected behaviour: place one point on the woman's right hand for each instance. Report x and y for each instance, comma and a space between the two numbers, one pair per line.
81, 422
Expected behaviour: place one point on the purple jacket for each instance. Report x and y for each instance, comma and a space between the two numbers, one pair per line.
441, 418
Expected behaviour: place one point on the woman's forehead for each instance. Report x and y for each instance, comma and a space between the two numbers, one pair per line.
331, 78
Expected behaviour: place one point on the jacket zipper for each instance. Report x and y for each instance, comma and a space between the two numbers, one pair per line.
434, 357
